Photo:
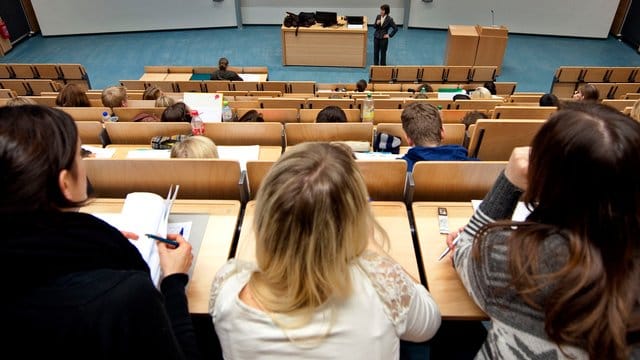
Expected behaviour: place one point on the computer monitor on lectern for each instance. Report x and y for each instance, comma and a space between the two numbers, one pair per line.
326, 18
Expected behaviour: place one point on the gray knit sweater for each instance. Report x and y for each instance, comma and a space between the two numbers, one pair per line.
517, 329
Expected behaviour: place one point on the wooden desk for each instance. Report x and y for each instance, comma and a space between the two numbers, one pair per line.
178, 77
214, 247
391, 215
325, 46
271, 153
442, 279
153, 76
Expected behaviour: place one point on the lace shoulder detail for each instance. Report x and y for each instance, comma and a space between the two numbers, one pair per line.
394, 287
233, 266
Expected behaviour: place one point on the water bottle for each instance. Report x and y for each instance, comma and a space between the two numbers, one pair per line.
227, 113
197, 126
105, 117
367, 109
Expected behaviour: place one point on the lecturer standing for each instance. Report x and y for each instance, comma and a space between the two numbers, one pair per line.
385, 29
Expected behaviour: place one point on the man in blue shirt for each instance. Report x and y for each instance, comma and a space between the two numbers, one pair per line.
422, 126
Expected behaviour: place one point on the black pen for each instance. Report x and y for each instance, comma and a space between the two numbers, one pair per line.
164, 240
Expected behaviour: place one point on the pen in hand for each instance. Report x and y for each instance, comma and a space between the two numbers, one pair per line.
448, 249
164, 240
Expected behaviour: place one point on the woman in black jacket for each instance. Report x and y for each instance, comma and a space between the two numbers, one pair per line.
385, 28
74, 287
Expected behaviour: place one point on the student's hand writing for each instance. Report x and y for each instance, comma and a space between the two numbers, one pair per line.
450, 237
175, 260
129, 235
516, 170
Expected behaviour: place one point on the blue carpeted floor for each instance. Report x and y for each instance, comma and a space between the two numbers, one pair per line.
529, 60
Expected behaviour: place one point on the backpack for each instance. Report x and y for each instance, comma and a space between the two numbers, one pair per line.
304, 19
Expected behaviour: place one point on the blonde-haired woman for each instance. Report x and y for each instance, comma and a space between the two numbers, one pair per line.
195, 147
481, 93
322, 288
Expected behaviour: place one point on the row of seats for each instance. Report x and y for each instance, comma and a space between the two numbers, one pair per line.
612, 82
502, 88
29, 87
307, 87
171, 69
490, 139
431, 73
297, 114
63, 73
223, 179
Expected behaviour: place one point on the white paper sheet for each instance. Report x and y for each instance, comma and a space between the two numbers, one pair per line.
240, 153
148, 154
100, 153
209, 105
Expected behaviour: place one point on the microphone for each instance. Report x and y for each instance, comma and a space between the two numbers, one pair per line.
493, 23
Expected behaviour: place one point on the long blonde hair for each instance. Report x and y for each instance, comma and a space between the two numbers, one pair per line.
195, 147
312, 220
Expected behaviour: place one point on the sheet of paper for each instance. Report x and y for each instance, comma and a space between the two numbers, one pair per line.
209, 105
178, 227
376, 156
100, 153
354, 26
519, 214
251, 77
148, 154
240, 153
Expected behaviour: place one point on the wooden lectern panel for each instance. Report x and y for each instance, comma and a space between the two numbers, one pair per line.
462, 44
492, 44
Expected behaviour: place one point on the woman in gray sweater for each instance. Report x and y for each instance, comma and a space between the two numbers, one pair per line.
566, 282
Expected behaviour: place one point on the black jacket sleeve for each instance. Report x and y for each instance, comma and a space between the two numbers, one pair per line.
173, 289
393, 28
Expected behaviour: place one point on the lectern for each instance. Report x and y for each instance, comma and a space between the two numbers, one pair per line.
492, 43
462, 44
476, 46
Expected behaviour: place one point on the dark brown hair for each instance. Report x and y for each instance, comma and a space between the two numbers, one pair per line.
584, 185
177, 112
72, 95
331, 114
36, 143
251, 116
589, 92
422, 123
386, 9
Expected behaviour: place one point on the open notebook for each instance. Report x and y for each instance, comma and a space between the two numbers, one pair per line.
144, 213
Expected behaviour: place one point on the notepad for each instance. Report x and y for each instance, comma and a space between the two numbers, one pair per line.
142, 213
240, 153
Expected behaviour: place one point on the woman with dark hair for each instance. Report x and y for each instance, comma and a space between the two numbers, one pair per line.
223, 74
331, 114
361, 85
251, 116
549, 100
76, 287
565, 283
385, 28
178, 112
72, 95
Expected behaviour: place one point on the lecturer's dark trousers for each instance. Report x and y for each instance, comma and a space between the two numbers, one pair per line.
380, 51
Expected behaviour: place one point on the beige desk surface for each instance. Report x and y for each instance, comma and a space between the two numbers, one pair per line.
178, 77
391, 215
153, 76
463, 30
271, 153
215, 246
442, 279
